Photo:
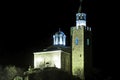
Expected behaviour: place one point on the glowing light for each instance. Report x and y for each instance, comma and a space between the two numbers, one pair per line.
57, 61
37, 61
80, 19
59, 38
47, 58
81, 23
54, 39
76, 41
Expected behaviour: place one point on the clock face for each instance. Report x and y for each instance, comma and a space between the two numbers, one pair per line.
76, 41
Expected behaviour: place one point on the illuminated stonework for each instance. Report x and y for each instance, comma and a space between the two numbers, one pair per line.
78, 52
81, 47
56, 58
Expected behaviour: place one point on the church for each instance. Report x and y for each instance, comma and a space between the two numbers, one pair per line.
75, 59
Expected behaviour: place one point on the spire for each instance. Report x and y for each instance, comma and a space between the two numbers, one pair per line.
80, 17
80, 7
59, 30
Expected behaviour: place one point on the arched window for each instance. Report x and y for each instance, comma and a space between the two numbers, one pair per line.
76, 41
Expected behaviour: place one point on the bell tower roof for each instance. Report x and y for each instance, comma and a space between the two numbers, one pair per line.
80, 17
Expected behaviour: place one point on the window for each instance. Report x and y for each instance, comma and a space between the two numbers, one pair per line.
88, 41
76, 41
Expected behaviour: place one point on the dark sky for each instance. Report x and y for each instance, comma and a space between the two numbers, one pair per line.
28, 27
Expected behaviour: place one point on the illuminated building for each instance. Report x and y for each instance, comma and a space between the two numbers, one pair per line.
77, 58
81, 47
57, 55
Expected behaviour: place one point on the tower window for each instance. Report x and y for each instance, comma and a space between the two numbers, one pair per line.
76, 41
88, 41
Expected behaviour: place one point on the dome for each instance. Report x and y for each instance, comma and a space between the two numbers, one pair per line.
59, 38
59, 33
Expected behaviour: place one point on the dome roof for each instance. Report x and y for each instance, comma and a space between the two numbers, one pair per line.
59, 33
59, 38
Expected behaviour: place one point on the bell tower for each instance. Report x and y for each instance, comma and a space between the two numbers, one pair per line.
81, 46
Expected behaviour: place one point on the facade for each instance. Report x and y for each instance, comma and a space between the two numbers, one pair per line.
56, 58
57, 55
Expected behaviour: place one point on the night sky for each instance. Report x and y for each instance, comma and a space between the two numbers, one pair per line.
27, 27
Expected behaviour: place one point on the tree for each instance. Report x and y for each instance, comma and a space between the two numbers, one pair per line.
9, 72
52, 74
2, 73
